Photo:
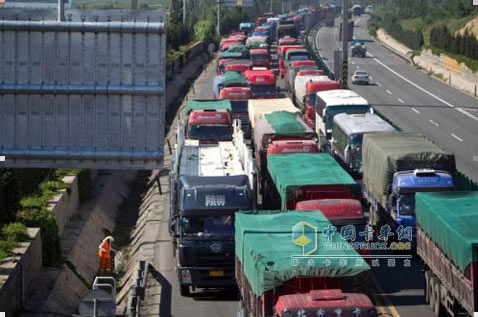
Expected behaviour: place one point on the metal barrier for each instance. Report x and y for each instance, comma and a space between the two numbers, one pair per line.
312, 50
137, 292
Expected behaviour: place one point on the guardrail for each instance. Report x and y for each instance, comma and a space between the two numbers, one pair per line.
137, 292
312, 48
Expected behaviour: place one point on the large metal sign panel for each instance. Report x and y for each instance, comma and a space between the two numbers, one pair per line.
86, 93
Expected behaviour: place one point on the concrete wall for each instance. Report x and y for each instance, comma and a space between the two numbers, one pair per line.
30, 265
65, 205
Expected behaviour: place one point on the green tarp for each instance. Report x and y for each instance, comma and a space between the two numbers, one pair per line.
227, 54
208, 105
383, 154
234, 78
292, 171
450, 219
267, 243
285, 123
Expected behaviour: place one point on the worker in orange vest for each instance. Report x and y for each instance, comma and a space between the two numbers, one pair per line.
104, 252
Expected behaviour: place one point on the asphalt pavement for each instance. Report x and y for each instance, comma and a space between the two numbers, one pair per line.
411, 98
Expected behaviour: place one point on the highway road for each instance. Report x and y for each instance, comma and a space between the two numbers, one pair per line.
398, 290
410, 98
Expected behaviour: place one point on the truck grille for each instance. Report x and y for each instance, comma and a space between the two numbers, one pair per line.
214, 259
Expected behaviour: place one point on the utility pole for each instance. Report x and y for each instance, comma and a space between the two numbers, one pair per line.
345, 42
61, 10
218, 17
271, 7
282, 5
184, 11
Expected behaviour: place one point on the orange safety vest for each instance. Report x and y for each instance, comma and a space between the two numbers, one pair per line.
106, 247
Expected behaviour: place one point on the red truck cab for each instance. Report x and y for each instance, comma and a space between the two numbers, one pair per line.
261, 20
310, 72
239, 37
288, 41
209, 126
312, 88
324, 302
281, 52
262, 82
260, 57
226, 43
292, 146
239, 96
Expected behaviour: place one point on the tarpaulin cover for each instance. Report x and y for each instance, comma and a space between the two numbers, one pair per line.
264, 247
383, 154
208, 105
227, 54
450, 219
257, 108
292, 171
280, 123
233, 78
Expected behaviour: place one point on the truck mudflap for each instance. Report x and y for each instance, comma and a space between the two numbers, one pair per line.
207, 277
445, 279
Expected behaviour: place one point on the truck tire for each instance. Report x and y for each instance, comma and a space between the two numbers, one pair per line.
185, 291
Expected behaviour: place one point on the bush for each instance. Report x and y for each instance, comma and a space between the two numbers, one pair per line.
15, 232
412, 39
465, 45
45, 220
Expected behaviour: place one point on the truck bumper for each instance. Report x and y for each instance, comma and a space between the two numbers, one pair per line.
207, 277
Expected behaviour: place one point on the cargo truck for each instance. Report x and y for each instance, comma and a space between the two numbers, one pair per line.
208, 185
283, 30
239, 97
292, 55
358, 49
208, 121
300, 84
275, 281
447, 242
293, 68
228, 79
396, 165
347, 135
281, 51
262, 83
303, 176
311, 90
287, 40
330, 103
260, 57
257, 108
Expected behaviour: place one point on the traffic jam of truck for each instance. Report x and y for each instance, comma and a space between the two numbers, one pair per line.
286, 186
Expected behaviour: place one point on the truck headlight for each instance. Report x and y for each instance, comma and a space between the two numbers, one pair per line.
186, 277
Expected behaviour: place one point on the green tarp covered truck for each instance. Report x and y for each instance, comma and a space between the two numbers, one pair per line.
306, 176
396, 165
447, 242
282, 266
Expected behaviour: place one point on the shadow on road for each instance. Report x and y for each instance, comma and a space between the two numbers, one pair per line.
166, 293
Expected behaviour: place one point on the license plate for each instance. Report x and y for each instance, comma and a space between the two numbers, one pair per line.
216, 273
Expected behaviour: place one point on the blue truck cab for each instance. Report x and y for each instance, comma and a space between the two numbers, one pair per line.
406, 184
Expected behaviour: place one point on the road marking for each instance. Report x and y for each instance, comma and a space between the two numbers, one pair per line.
457, 137
379, 84
388, 92
475, 158
400, 100
370, 77
357, 67
383, 297
416, 111
434, 123
466, 113
352, 62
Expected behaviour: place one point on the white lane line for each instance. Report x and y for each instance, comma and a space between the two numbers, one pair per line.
466, 113
352, 62
457, 137
475, 158
388, 92
434, 123
357, 67
400, 100
370, 77
379, 84
416, 111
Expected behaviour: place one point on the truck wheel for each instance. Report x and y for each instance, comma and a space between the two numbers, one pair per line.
185, 291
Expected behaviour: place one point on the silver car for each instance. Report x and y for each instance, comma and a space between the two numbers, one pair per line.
360, 77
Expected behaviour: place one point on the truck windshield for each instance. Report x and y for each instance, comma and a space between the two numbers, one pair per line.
301, 57
406, 204
239, 106
208, 226
209, 132
259, 57
263, 90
